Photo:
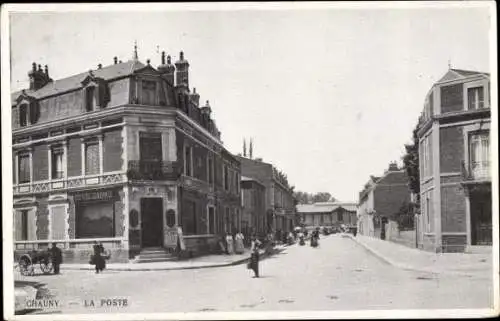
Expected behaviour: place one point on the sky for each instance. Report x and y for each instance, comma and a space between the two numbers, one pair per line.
329, 96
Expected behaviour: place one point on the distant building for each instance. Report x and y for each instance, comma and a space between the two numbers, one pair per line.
455, 163
253, 219
328, 214
120, 154
279, 199
382, 197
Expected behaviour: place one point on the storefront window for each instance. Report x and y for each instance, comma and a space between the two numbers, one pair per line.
95, 219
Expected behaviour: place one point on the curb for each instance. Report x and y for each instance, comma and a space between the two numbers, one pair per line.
84, 267
406, 266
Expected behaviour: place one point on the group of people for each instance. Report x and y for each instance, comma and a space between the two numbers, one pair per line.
98, 258
314, 238
233, 244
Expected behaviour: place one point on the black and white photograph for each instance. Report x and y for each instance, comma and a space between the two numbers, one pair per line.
254, 160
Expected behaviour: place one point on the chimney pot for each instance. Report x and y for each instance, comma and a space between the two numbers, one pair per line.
148, 61
181, 54
169, 60
34, 66
46, 70
39, 67
163, 57
115, 60
99, 66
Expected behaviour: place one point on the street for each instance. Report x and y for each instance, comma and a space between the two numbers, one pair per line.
339, 275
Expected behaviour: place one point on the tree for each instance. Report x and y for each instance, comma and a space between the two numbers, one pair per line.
411, 165
322, 197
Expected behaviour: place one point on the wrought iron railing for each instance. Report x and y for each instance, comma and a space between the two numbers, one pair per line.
476, 171
152, 170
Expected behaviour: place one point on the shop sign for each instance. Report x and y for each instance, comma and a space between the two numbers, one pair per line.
171, 236
96, 196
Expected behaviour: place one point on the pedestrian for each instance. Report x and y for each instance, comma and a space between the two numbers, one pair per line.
230, 244
97, 258
254, 258
56, 254
238, 242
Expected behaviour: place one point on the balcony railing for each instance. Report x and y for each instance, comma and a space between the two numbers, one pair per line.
476, 171
152, 170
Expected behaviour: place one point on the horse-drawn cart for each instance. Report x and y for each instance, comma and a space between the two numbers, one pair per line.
27, 262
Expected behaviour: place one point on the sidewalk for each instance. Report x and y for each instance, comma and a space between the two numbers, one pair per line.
208, 261
466, 264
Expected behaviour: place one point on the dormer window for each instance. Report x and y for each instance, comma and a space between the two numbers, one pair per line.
475, 98
33, 113
148, 92
23, 115
90, 98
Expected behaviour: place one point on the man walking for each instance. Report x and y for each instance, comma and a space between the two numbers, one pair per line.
56, 254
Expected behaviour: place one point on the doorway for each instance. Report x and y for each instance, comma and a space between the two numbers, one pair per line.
481, 218
152, 222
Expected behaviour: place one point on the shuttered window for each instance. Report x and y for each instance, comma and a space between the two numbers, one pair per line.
24, 168
91, 158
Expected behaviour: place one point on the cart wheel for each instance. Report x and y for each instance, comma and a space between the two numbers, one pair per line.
25, 266
46, 266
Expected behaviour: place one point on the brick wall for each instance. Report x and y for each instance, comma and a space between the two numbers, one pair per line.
42, 221
40, 162
74, 157
451, 143
453, 215
451, 98
112, 150
120, 215
388, 199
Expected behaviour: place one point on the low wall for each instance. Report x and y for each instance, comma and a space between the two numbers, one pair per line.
197, 245
75, 251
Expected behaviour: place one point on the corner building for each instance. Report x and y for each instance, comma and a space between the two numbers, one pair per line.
455, 171
119, 155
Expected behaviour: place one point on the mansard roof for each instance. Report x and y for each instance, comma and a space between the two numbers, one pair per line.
73, 82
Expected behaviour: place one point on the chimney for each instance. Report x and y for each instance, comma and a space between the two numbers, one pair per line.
38, 78
393, 166
182, 67
115, 60
99, 66
168, 70
195, 97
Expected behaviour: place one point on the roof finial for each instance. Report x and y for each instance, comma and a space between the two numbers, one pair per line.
449, 63
136, 57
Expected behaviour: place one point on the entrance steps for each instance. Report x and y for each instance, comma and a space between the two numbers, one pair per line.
154, 254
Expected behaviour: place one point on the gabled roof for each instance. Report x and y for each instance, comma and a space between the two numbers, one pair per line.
454, 74
74, 82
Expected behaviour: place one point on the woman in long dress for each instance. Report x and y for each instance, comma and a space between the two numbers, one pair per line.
239, 247
230, 244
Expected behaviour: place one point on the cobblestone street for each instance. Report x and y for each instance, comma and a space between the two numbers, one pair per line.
339, 275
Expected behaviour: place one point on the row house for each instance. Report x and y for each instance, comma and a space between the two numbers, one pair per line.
381, 199
331, 214
279, 199
455, 171
123, 154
